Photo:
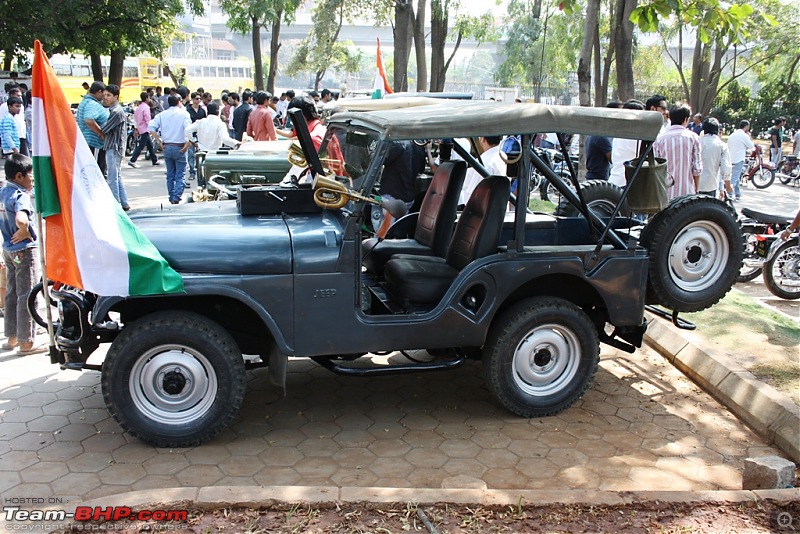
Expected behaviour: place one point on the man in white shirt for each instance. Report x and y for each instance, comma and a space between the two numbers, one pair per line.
491, 161
716, 160
211, 132
739, 145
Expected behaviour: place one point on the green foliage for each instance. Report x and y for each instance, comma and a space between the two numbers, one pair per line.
322, 51
558, 32
774, 100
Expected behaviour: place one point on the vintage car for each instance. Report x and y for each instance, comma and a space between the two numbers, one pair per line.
530, 294
253, 163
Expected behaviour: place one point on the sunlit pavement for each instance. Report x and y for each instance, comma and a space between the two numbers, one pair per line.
641, 426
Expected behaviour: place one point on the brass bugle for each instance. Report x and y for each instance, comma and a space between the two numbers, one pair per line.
330, 194
296, 156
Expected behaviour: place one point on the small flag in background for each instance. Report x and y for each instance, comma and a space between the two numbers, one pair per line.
90, 242
381, 86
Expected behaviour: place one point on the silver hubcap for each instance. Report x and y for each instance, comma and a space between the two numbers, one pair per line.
546, 360
698, 256
173, 384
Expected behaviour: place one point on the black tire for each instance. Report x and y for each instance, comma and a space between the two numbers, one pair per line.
695, 253
540, 356
782, 272
548, 191
784, 178
196, 379
601, 196
746, 274
763, 178
130, 145
33, 309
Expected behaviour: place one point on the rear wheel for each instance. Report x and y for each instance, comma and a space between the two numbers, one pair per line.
600, 195
540, 356
782, 272
173, 379
763, 178
695, 249
746, 273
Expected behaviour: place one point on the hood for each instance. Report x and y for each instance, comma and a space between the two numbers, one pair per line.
212, 237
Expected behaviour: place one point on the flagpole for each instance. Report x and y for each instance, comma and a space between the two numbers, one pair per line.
46, 291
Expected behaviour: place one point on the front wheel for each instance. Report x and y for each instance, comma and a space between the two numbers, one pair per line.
782, 272
540, 356
763, 178
173, 379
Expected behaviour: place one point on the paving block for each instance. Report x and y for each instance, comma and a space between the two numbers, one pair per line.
767, 472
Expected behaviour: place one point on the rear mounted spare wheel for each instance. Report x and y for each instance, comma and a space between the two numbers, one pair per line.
695, 253
601, 196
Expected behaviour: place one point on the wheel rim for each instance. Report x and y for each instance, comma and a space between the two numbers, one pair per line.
762, 178
546, 360
603, 208
786, 270
173, 384
698, 256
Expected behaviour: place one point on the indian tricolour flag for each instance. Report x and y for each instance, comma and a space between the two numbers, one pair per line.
381, 86
90, 243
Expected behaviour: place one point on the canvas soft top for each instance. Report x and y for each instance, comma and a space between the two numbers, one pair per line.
376, 104
464, 118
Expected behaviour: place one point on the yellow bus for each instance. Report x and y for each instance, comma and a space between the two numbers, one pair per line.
73, 70
213, 75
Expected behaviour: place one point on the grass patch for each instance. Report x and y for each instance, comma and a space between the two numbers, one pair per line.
762, 341
737, 313
542, 206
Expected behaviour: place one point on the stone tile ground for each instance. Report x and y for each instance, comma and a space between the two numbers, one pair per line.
641, 426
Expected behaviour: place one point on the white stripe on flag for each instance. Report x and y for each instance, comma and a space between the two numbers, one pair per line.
41, 144
101, 252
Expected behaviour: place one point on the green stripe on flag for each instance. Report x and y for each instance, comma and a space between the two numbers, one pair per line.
150, 274
44, 184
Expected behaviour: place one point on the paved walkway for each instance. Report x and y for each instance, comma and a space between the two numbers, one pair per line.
642, 426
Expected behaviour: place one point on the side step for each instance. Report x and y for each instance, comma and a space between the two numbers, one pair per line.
328, 364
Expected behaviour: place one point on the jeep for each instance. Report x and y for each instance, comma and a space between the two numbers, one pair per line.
530, 294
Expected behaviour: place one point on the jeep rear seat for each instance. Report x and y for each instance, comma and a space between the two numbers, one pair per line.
434, 226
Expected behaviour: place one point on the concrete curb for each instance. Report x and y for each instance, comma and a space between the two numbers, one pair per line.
226, 496
769, 413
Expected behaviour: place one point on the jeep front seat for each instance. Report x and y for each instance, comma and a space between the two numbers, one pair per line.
425, 279
434, 225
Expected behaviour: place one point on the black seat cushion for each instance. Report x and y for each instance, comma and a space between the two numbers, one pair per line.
426, 279
434, 224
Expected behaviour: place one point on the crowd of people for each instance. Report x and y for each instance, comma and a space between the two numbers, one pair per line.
698, 160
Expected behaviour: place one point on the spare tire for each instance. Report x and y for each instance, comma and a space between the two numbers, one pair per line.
601, 196
695, 252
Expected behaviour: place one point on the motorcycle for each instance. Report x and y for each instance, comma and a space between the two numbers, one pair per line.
755, 226
789, 170
782, 266
759, 171
555, 160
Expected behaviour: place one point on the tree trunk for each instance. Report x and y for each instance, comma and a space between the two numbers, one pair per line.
403, 36
612, 43
624, 49
438, 39
115, 67
597, 65
274, 47
97, 66
699, 74
8, 60
585, 58
257, 59
419, 46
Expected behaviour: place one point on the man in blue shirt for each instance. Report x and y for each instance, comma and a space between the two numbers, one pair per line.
169, 130
91, 117
8, 128
20, 254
